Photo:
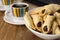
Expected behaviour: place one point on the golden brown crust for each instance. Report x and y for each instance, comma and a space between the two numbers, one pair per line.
29, 21
44, 18
36, 11
54, 26
57, 31
46, 28
53, 7
38, 22
57, 15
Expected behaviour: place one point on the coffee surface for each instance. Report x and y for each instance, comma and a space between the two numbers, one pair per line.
19, 5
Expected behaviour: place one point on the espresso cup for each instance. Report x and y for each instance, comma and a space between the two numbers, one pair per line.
7, 2
19, 9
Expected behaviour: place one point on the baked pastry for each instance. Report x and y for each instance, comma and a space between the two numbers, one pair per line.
44, 11
54, 26
50, 7
38, 22
53, 7
29, 21
44, 18
46, 28
57, 15
56, 7
57, 31
36, 11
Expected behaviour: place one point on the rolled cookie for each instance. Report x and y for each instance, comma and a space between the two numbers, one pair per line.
57, 31
46, 28
58, 21
29, 21
50, 7
54, 26
35, 11
53, 7
44, 11
56, 7
44, 18
57, 15
38, 22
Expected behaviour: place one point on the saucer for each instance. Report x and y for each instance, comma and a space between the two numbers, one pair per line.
3, 8
13, 20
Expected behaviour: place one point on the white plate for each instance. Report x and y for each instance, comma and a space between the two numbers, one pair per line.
12, 20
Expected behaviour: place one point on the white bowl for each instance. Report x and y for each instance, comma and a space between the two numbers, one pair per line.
44, 36
41, 35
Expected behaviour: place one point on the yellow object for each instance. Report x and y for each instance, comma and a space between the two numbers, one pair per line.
11, 1
15, 12
18, 12
4, 2
24, 10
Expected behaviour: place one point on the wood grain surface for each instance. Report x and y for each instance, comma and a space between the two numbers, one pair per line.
14, 32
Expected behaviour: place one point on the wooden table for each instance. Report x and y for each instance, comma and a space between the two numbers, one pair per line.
14, 32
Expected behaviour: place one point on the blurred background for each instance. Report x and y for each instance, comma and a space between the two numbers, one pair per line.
42, 2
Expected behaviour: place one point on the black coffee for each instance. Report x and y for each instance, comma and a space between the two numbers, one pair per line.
19, 5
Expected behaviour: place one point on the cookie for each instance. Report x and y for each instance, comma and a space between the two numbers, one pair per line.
57, 31
46, 28
44, 11
36, 11
29, 21
44, 18
56, 7
50, 7
57, 15
54, 26
38, 22
53, 7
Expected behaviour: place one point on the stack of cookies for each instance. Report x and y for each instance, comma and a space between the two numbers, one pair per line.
44, 19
